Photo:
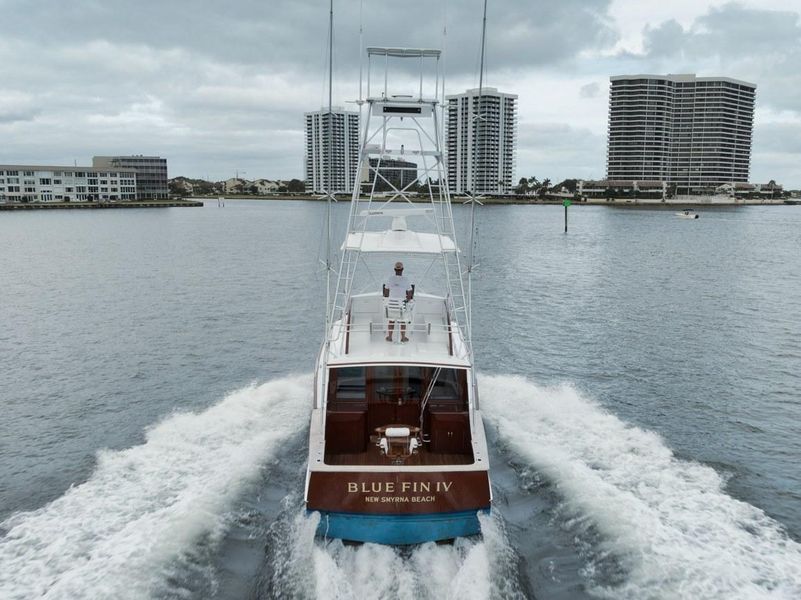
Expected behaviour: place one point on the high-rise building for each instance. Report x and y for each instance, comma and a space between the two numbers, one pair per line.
692, 132
392, 172
483, 138
151, 173
337, 172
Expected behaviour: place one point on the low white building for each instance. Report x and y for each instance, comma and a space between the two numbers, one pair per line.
36, 183
265, 186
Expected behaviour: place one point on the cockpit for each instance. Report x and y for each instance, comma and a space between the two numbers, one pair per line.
424, 409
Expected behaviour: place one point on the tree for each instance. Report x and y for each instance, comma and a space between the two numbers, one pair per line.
253, 189
544, 187
177, 188
296, 185
569, 184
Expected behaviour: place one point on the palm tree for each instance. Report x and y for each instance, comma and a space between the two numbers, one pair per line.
546, 183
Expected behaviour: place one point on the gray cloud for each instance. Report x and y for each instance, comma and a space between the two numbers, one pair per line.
760, 46
559, 151
782, 138
217, 85
7, 116
590, 90
287, 34
731, 30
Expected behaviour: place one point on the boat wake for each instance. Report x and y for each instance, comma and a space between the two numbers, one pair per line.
667, 522
119, 534
470, 568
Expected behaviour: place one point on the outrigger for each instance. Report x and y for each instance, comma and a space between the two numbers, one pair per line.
397, 448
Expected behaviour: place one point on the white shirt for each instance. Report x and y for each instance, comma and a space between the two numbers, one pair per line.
398, 286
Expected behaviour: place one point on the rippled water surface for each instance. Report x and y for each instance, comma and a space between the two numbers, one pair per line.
641, 387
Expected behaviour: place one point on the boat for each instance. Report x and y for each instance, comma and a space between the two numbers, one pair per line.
397, 447
687, 213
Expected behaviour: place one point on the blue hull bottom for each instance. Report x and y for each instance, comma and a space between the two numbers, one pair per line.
398, 530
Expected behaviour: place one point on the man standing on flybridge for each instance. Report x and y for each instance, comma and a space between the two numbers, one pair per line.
399, 291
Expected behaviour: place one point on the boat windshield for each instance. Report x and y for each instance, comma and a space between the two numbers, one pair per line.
397, 383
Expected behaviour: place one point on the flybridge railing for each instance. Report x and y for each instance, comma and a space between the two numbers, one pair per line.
343, 331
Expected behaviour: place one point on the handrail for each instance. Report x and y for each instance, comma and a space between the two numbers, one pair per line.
343, 331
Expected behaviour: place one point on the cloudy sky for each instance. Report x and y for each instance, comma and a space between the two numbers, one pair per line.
220, 86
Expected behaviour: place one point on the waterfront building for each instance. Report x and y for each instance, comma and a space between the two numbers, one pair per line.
336, 132
692, 132
151, 173
236, 185
609, 188
37, 183
488, 143
395, 173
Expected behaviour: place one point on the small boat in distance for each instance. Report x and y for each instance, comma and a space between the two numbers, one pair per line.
397, 448
687, 213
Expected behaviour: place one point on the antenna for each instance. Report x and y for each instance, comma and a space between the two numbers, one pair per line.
444, 40
473, 199
361, 54
328, 195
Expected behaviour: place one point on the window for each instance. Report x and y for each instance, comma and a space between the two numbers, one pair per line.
56, 182
348, 383
45, 181
28, 173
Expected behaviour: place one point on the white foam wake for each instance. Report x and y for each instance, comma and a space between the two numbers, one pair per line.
115, 535
669, 521
469, 569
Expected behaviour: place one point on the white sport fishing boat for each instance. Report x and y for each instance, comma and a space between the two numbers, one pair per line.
397, 449
687, 213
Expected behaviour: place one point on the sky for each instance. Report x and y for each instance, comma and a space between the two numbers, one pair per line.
220, 87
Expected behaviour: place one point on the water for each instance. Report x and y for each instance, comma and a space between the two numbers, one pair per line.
640, 382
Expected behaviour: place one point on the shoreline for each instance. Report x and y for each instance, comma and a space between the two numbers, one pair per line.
101, 205
200, 201
517, 200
